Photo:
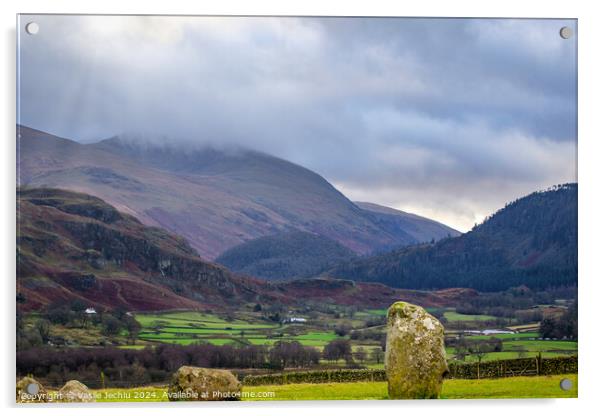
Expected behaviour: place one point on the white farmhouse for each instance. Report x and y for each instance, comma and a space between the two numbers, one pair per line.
297, 319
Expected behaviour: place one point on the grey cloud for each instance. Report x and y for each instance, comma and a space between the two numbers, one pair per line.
448, 117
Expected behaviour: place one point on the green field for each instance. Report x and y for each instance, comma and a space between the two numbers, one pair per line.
521, 345
193, 320
514, 387
507, 355
510, 337
453, 316
541, 345
185, 328
191, 327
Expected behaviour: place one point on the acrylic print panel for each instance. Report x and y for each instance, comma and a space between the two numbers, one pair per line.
282, 208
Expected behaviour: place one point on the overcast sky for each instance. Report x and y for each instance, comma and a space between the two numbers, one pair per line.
447, 118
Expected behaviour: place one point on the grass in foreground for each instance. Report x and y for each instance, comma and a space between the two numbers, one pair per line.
515, 387
503, 388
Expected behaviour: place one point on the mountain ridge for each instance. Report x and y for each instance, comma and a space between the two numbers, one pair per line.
422, 229
216, 200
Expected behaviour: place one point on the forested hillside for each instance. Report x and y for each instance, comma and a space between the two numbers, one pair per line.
531, 241
286, 255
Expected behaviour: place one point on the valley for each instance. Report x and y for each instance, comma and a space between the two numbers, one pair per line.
136, 260
362, 331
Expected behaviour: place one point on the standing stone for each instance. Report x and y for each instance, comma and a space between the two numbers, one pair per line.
73, 391
415, 355
29, 390
195, 383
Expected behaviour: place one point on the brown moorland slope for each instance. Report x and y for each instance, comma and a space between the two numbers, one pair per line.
72, 245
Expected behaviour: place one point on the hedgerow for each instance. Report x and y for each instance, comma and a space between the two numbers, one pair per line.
489, 369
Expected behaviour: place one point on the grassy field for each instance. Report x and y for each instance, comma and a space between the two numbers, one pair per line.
507, 355
453, 316
514, 387
191, 327
186, 328
541, 345
522, 345
509, 337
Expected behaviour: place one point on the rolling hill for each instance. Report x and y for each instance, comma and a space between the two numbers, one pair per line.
532, 241
76, 246
285, 255
216, 199
73, 245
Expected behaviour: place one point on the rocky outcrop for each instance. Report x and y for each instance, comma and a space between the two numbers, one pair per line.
73, 391
203, 384
415, 353
29, 390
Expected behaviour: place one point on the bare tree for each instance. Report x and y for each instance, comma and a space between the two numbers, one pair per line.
378, 355
360, 354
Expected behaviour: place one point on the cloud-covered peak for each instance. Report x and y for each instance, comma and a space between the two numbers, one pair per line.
448, 118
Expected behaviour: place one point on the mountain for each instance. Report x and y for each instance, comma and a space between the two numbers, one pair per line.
421, 229
285, 255
216, 199
532, 241
76, 246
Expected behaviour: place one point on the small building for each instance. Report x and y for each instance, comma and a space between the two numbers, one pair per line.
90, 311
295, 319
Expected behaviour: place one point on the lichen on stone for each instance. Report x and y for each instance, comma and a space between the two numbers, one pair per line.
415, 353
29, 390
201, 384
75, 391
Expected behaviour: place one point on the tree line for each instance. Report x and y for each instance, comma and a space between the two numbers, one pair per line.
95, 366
563, 326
